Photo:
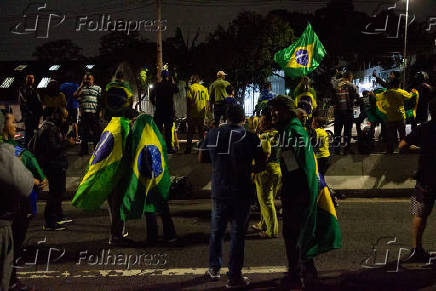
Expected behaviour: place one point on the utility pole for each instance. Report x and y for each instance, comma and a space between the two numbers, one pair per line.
405, 44
159, 39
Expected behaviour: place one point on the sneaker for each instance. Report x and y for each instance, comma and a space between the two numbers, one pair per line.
120, 242
53, 227
256, 227
213, 275
417, 255
238, 283
63, 220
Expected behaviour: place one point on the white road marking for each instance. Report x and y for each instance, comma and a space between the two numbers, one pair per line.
145, 272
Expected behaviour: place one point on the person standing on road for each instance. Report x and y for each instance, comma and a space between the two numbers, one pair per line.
424, 195
26, 207
299, 187
118, 99
69, 88
268, 181
88, 96
231, 150
346, 93
197, 98
217, 93
395, 113
50, 146
30, 106
16, 182
162, 97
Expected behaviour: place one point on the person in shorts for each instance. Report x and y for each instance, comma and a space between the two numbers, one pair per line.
424, 195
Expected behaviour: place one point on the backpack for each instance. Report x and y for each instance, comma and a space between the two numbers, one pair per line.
36, 144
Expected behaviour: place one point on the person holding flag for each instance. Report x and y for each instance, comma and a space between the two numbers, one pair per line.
310, 226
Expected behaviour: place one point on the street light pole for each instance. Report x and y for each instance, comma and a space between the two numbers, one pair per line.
159, 39
405, 44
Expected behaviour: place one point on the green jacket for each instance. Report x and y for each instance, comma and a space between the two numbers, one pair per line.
217, 91
29, 162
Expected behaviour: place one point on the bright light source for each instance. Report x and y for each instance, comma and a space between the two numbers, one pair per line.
7, 82
20, 68
150, 86
287, 91
89, 67
44, 82
54, 68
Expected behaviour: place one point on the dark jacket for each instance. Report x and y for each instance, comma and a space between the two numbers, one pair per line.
30, 103
162, 98
51, 146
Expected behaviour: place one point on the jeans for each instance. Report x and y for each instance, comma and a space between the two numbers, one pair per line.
90, 129
237, 213
117, 225
195, 124
295, 200
57, 188
391, 134
167, 222
219, 109
6, 256
31, 125
343, 119
165, 124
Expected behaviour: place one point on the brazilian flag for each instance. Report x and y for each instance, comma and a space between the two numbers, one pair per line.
303, 56
320, 231
105, 166
147, 182
378, 112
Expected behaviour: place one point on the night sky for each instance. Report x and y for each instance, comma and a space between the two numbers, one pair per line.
190, 15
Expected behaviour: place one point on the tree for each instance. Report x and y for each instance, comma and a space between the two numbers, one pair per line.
63, 50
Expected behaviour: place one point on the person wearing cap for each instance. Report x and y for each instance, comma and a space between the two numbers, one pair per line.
162, 99
217, 93
299, 187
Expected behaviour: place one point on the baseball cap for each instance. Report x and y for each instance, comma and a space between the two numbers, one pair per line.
221, 73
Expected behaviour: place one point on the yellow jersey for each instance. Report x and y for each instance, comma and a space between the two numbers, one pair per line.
322, 139
197, 97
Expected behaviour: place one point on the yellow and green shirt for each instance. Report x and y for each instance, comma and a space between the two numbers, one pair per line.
197, 96
322, 148
218, 89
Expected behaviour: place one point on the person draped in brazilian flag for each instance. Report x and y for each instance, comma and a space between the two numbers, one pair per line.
310, 226
103, 175
303, 56
147, 182
118, 99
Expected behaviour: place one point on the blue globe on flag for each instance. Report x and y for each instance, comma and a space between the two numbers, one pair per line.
103, 148
150, 162
302, 57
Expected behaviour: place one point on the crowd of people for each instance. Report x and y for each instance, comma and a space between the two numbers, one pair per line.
248, 155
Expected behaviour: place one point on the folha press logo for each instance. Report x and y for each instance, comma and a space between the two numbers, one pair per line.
38, 20
390, 19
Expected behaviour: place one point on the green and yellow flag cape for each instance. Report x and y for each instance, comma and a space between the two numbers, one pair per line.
105, 166
303, 56
321, 231
147, 181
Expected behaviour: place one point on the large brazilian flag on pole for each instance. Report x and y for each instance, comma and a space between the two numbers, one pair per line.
147, 182
303, 56
105, 166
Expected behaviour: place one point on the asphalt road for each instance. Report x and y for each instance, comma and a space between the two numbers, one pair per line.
374, 232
